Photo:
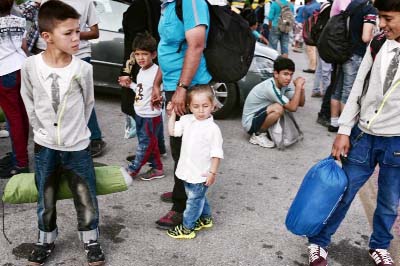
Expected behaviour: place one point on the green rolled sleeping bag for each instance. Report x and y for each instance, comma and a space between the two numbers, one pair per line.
21, 188
2, 116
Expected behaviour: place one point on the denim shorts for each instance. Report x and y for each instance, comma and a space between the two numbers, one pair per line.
346, 77
275, 36
258, 119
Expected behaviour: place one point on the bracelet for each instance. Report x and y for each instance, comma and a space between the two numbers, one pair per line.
212, 173
182, 85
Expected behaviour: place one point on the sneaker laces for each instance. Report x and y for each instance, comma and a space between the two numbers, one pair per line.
315, 253
384, 255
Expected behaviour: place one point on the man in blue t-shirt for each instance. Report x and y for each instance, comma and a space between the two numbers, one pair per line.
267, 101
310, 7
182, 65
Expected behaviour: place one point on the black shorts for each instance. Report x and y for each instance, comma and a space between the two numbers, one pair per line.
258, 120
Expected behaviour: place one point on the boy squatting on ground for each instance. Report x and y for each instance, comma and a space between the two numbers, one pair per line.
57, 88
268, 100
148, 120
369, 134
201, 153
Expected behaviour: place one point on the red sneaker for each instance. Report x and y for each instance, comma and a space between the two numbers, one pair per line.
166, 197
170, 220
381, 257
317, 255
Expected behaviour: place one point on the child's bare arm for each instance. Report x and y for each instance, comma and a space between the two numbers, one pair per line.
171, 119
212, 174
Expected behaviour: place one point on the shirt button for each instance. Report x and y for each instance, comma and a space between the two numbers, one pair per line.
376, 111
55, 124
367, 122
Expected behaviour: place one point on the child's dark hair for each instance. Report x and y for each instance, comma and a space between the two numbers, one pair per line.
53, 12
145, 42
250, 16
5, 7
282, 63
387, 5
200, 89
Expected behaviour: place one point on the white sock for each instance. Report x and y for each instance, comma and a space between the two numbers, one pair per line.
334, 121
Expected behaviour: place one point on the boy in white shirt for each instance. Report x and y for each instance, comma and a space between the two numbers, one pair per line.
148, 120
201, 152
57, 89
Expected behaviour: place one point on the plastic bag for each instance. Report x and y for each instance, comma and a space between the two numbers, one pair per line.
318, 196
285, 131
130, 127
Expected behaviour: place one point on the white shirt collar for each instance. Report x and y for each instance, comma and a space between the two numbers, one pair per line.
210, 119
392, 44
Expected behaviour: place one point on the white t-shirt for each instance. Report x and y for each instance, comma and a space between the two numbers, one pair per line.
88, 19
64, 73
143, 89
201, 140
12, 31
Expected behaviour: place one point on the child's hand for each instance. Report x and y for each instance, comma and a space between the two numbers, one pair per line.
170, 108
211, 178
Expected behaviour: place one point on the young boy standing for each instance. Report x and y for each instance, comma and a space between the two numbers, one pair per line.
369, 135
148, 119
57, 89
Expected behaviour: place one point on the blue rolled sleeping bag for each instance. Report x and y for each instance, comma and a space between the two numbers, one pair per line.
318, 196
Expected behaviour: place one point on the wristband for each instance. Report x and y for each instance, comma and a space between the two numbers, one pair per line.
212, 173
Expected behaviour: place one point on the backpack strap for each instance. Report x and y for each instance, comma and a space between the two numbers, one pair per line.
375, 46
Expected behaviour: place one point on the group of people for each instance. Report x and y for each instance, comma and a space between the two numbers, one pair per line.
164, 64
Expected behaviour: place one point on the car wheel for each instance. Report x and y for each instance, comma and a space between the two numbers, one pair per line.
226, 95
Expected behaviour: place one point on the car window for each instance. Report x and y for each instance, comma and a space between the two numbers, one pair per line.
110, 13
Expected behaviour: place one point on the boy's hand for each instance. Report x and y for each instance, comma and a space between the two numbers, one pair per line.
299, 82
124, 81
211, 177
341, 146
156, 98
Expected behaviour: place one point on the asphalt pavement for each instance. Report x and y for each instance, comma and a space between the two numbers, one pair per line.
250, 200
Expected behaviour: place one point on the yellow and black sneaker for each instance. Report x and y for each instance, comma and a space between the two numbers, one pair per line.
180, 232
203, 222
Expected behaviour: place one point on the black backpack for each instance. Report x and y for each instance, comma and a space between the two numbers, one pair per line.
230, 43
322, 19
334, 44
308, 27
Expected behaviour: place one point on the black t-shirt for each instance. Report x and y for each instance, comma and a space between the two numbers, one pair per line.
367, 14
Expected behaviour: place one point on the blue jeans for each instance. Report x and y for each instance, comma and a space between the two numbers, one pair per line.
276, 35
322, 76
196, 204
93, 125
366, 152
78, 166
147, 130
346, 77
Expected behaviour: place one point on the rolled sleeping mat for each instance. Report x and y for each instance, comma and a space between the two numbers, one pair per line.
21, 188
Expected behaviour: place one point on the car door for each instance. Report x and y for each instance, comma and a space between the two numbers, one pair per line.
108, 49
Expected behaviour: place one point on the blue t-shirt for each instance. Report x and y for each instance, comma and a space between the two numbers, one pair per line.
309, 9
367, 14
262, 95
299, 15
275, 11
172, 35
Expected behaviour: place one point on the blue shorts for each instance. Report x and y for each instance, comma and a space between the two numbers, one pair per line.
258, 120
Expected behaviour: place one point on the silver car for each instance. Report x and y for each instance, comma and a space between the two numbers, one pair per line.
107, 57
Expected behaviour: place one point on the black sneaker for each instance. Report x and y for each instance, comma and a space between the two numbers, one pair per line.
94, 253
97, 147
131, 158
323, 121
333, 129
6, 161
14, 170
40, 253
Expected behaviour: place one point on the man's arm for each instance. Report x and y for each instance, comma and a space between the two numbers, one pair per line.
90, 35
298, 97
195, 39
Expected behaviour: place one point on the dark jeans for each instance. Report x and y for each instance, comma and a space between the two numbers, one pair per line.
366, 152
82, 182
93, 125
178, 192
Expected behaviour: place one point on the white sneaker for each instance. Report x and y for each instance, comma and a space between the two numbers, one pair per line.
261, 140
4, 134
